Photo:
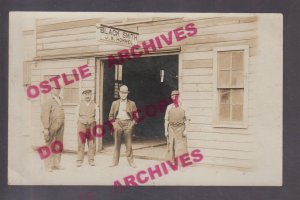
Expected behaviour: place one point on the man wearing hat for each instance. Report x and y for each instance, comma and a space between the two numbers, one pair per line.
176, 123
122, 115
53, 118
86, 114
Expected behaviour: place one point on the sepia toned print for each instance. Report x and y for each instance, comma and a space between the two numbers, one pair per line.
144, 91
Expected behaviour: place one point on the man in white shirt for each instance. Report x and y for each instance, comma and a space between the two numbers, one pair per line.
122, 114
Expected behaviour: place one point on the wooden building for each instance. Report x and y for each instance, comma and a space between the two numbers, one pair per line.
215, 71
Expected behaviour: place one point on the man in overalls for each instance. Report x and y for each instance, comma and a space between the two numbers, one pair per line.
176, 123
53, 120
86, 114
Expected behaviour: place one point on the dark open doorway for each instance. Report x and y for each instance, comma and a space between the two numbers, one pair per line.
150, 80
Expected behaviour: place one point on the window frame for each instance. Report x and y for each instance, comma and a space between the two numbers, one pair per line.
216, 122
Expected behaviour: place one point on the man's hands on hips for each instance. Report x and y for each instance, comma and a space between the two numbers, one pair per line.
132, 124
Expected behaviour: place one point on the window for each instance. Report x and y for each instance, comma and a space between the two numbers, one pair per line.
70, 93
118, 80
230, 70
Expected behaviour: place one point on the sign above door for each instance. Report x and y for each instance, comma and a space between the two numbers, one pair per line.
115, 35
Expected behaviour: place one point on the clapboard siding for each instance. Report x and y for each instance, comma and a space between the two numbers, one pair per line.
91, 45
208, 30
199, 23
196, 127
201, 72
228, 162
54, 21
81, 33
64, 52
209, 46
201, 103
197, 79
44, 36
201, 119
197, 63
228, 154
226, 137
197, 95
68, 38
203, 87
221, 37
67, 25
49, 21
222, 145
59, 45
195, 111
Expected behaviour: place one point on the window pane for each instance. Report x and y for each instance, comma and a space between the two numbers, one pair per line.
224, 106
116, 94
237, 60
70, 95
120, 72
224, 112
224, 60
237, 79
224, 96
237, 96
224, 79
116, 72
237, 113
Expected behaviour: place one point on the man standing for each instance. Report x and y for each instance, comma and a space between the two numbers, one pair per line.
122, 115
86, 122
53, 118
176, 123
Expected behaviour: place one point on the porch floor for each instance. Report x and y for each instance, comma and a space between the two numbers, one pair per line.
143, 148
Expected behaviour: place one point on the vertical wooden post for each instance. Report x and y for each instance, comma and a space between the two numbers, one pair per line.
99, 96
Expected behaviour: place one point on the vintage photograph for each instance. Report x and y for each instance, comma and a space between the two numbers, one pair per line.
139, 99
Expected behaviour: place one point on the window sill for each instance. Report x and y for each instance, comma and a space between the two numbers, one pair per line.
237, 126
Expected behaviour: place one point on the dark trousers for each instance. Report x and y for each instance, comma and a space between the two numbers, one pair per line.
56, 132
85, 135
123, 127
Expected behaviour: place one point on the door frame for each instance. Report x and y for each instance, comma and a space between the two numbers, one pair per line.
99, 83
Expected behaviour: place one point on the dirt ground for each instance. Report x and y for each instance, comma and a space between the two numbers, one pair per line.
26, 168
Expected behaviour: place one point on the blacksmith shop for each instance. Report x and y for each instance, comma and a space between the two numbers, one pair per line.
211, 60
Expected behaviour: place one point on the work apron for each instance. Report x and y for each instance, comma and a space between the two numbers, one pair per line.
177, 143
